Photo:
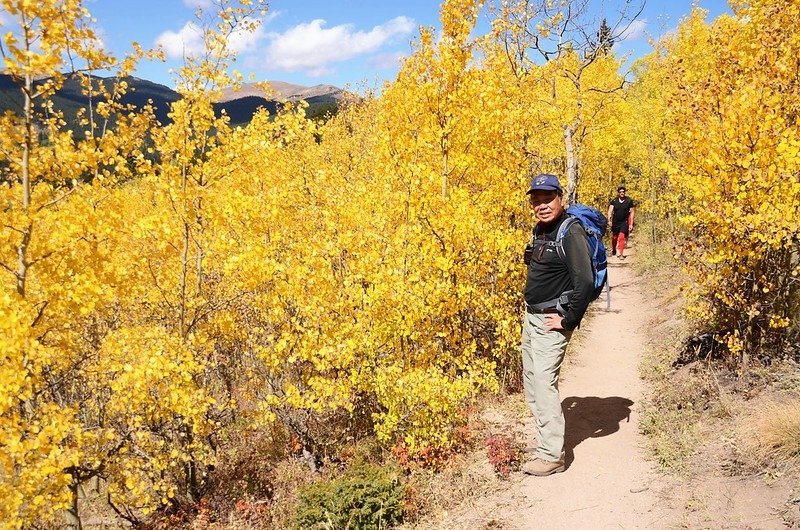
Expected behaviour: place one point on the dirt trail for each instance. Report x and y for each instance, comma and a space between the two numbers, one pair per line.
608, 482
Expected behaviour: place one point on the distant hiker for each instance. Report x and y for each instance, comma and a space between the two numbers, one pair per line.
552, 281
620, 214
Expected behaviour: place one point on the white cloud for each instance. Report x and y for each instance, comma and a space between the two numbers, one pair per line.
100, 35
246, 41
634, 31
313, 48
189, 39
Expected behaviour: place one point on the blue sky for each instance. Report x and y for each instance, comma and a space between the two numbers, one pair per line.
353, 43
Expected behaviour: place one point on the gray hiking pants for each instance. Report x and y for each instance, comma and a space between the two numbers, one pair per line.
542, 355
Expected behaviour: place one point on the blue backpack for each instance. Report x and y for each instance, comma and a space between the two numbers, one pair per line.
595, 224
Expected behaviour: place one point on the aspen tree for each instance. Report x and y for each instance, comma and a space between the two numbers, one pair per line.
47, 227
733, 140
92, 391
563, 36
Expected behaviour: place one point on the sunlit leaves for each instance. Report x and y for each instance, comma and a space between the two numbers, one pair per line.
183, 280
732, 133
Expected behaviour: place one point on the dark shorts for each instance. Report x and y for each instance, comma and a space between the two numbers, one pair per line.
620, 228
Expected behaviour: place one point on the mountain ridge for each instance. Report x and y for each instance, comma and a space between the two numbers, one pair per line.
281, 91
240, 105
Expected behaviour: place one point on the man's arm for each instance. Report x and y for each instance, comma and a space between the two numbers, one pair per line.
579, 264
610, 213
630, 218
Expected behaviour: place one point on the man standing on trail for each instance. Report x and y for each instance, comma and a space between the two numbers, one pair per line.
620, 213
557, 293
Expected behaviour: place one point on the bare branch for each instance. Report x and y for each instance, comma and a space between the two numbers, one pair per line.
435, 233
15, 229
209, 308
155, 282
10, 157
9, 269
42, 258
609, 90
628, 21
575, 30
56, 200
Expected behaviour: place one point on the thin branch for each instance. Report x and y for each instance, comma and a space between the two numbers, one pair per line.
10, 155
435, 233
616, 35
155, 282
41, 258
41, 313
14, 229
127, 516
610, 90
9, 269
56, 200
210, 308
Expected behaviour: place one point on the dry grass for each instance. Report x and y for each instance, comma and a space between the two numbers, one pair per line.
672, 415
678, 400
468, 475
431, 494
769, 435
707, 416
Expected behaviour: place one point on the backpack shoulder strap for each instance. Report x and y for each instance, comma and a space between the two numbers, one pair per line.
562, 232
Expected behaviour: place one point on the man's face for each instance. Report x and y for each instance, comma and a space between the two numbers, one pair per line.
547, 205
621, 194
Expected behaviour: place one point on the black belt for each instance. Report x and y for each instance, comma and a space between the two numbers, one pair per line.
535, 311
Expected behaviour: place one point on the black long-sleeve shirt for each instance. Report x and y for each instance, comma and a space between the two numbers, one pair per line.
549, 276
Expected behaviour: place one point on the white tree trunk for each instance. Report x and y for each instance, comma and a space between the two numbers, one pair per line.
572, 163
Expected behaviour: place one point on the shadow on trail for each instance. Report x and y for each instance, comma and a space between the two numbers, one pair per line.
592, 417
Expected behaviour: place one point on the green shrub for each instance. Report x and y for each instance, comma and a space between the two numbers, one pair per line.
366, 496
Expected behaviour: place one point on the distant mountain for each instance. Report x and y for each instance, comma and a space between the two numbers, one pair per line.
239, 105
70, 98
242, 103
283, 90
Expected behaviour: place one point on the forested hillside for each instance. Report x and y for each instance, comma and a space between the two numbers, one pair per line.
73, 97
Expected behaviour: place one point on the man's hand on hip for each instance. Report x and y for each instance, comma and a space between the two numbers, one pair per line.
554, 322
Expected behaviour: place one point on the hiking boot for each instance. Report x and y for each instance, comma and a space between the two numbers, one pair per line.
613, 252
542, 468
